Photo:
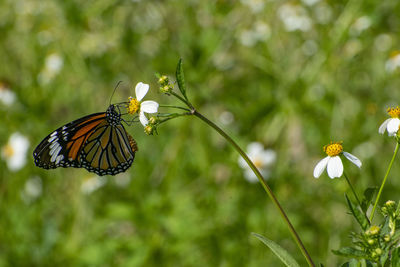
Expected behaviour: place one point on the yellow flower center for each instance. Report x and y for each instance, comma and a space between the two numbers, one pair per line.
8, 151
134, 105
394, 112
258, 163
333, 149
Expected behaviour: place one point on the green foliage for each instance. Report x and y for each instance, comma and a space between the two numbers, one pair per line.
180, 78
378, 244
185, 201
280, 252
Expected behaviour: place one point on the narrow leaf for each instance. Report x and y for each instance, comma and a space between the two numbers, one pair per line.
282, 254
350, 252
359, 215
180, 78
396, 257
368, 195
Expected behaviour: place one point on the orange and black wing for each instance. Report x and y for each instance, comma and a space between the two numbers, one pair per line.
62, 147
108, 150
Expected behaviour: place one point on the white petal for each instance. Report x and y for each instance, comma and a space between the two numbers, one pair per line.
353, 159
143, 120
393, 126
268, 157
383, 126
335, 167
320, 167
254, 148
141, 90
149, 106
250, 176
242, 163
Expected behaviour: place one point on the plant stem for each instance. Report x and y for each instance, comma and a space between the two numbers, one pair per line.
384, 181
262, 181
355, 195
172, 106
352, 189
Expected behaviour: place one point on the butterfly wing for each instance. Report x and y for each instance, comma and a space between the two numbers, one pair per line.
97, 142
108, 150
62, 147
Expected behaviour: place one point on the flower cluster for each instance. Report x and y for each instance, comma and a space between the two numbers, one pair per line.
136, 105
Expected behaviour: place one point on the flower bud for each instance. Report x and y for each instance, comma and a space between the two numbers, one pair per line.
153, 120
386, 238
373, 230
378, 251
163, 80
166, 89
149, 129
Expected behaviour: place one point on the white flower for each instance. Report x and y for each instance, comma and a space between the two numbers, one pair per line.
262, 159
392, 124
294, 17
135, 104
7, 97
15, 151
93, 183
332, 162
33, 189
53, 65
393, 62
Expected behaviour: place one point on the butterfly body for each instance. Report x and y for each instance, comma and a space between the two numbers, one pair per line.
97, 142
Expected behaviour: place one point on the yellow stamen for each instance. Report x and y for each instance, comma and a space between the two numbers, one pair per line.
134, 105
333, 149
258, 163
7, 151
394, 54
394, 112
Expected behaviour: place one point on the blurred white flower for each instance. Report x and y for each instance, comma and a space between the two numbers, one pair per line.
393, 62
33, 189
14, 152
310, 2
122, 180
52, 66
7, 97
255, 5
392, 124
360, 25
332, 162
93, 183
136, 106
226, 117
294, 17
262, 159
259, 33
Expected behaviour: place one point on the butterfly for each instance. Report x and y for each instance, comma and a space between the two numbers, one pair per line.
97, 142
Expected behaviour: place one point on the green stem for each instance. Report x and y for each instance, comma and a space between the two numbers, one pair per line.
262, 181
352, 189
384, 181
172, 106
355, 195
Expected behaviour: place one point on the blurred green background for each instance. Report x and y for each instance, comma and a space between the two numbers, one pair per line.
292, 75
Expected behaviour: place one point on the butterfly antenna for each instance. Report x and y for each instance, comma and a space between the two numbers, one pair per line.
115, 89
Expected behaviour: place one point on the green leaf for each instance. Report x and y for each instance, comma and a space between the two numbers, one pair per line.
368, 195
180, 78
282, 254
359, 215
396, 257
350, 253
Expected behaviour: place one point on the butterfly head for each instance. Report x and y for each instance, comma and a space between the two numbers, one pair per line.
113, 116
